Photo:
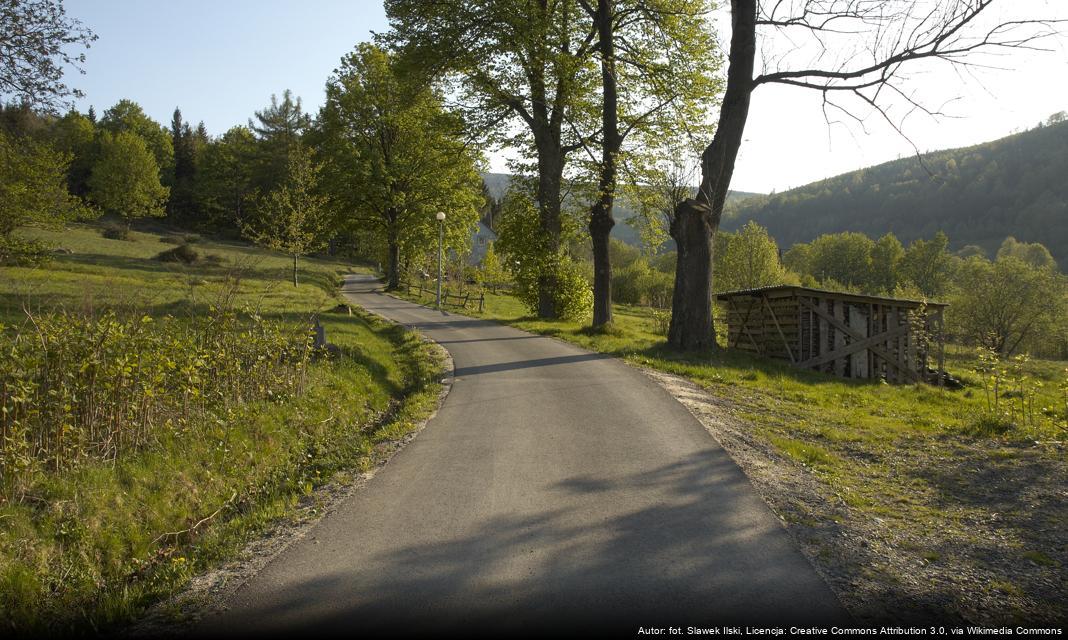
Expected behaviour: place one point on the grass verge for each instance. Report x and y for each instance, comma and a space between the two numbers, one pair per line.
90, 549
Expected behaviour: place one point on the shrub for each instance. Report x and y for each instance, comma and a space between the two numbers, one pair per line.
76, 388
115, 232
17, 252
191, 238
572, 295
182, 253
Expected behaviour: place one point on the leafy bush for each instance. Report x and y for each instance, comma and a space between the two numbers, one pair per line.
17, 252
75, 388
115, 232
182, 253
572, 295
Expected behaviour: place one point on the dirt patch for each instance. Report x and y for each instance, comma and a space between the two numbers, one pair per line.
969, 531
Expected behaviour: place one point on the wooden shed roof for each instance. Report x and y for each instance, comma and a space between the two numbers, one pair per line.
841, 295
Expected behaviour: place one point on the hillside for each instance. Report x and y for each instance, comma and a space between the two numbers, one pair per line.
1016, 186
497, 184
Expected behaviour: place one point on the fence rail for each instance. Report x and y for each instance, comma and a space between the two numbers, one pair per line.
448, 298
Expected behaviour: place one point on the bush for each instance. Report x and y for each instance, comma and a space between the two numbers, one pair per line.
75, 388
182, 253
17, 252
573, 295
115, 232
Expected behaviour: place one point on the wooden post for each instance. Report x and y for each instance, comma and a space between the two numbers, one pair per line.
859, 360
839, 338
481, 301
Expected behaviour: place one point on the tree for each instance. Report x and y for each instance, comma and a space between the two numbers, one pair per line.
35, 38
1033, 253
657, 84
526, 79
1004, 304
871, 46
278, 129
128, 116
491, 272
292, 218
74, 134
926, 264
886, 256
394, 158
183, 205
125, 178
531, 260
749, 260
224, 185
33, 185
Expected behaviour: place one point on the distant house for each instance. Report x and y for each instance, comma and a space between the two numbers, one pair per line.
480, 241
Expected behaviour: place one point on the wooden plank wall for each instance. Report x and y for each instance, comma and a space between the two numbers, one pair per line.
781, 326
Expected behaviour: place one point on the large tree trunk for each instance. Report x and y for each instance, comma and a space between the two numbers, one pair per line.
393, 268
696, 221
601, 221
550, 179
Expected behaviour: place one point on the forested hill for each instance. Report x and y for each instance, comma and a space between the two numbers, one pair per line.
1015, 186
497, 185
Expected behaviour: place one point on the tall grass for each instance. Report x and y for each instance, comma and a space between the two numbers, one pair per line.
78, 387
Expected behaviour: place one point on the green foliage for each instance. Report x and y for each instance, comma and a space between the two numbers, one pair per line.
1033, 253
126, 116
225, 180
532, 260
393, 158
125, 178
292, 218
491, 272
926, 264
977, 195
637, 283
278, 130
77, 389
33, 186
1007, 304
36, 51
747, 259
20, 252
182, 253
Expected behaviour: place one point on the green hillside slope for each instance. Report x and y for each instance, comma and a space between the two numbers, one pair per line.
1015, 186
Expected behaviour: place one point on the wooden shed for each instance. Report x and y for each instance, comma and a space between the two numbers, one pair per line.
845, 334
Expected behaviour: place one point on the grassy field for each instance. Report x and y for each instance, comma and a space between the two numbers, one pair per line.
91, 547
919, 489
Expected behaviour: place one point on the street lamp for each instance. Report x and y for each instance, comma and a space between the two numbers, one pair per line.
441, 237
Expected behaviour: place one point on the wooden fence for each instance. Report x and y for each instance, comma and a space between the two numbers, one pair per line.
448, 298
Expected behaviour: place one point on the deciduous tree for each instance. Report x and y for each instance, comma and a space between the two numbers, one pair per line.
394, 158
36, 38
125, 178
852, 50
292, 218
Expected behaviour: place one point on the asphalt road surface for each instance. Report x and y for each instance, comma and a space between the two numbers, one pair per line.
555, 490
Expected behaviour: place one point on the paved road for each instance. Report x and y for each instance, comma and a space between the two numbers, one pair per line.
556, 488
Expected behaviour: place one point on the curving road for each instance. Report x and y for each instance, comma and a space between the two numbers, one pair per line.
556, 489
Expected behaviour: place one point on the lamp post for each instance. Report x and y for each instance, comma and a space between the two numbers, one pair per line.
441, 237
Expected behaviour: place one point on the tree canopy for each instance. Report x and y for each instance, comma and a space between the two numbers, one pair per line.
394, 158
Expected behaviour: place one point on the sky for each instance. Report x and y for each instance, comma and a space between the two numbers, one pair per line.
220, 61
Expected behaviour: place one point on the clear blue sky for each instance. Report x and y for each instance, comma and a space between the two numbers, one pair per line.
219, 61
